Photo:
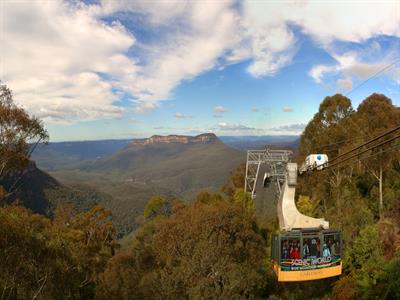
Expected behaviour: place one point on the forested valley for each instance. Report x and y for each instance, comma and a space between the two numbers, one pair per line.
215, 246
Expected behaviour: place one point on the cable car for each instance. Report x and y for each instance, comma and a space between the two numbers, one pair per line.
306, 254
305, 248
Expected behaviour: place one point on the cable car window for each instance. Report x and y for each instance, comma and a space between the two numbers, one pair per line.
332, 245
290, 248
311, 247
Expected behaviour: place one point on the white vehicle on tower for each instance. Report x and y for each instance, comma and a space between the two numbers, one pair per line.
314, 162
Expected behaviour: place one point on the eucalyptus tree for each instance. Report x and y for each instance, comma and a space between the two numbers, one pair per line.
20, 134
375, 115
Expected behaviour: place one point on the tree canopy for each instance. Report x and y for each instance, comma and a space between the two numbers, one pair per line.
19, 135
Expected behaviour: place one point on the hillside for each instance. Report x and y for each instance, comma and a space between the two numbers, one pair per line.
29, 188
172, 166
182, 164
40, 192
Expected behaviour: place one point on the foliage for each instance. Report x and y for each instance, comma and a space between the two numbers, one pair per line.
202, 249
156, 206
17, 131
207, 198
375, 115
364, 260
391, 280
357, 194
58, 259
236, 180
327, 126
305, 205
244, 199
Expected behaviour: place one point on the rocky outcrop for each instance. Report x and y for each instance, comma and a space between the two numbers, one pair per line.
180, 139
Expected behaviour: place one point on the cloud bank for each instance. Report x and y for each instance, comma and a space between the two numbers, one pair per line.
69, 61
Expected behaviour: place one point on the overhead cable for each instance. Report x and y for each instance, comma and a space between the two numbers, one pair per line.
363, 151
373, 76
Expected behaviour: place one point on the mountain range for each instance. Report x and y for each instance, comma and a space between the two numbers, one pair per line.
254, 142
67, 155
123, 174
172, 166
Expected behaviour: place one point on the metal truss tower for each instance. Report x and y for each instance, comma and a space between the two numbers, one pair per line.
276, 160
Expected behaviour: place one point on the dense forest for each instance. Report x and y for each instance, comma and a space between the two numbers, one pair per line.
216, 246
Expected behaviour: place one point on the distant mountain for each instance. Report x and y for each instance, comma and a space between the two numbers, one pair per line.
62, 155
70, 155
291, 145
176, 139
172, 166
181, 163
258, 142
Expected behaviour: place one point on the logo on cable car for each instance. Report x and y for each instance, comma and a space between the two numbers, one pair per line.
319, 157
309, 263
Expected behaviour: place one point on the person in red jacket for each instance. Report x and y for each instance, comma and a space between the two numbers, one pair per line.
295, 254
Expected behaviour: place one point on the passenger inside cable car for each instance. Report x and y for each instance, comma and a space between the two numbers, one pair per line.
306, 254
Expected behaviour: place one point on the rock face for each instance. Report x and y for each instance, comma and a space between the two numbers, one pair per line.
180, 139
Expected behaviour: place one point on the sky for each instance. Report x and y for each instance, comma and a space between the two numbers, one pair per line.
130, 69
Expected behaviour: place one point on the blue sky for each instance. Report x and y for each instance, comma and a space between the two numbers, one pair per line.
125, 69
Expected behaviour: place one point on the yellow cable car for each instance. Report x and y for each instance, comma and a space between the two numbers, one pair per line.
307, 254
305, 249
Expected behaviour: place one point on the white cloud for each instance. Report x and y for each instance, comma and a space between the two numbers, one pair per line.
45, 57
317, 72
290, 128
353, 21
179, 115
345, 84
188, 47
287, 109
52, 55
219, 109
66, 64
223, 126
144, 107
269, 28
351, 65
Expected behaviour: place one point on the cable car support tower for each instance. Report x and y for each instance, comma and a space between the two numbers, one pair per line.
284, 174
